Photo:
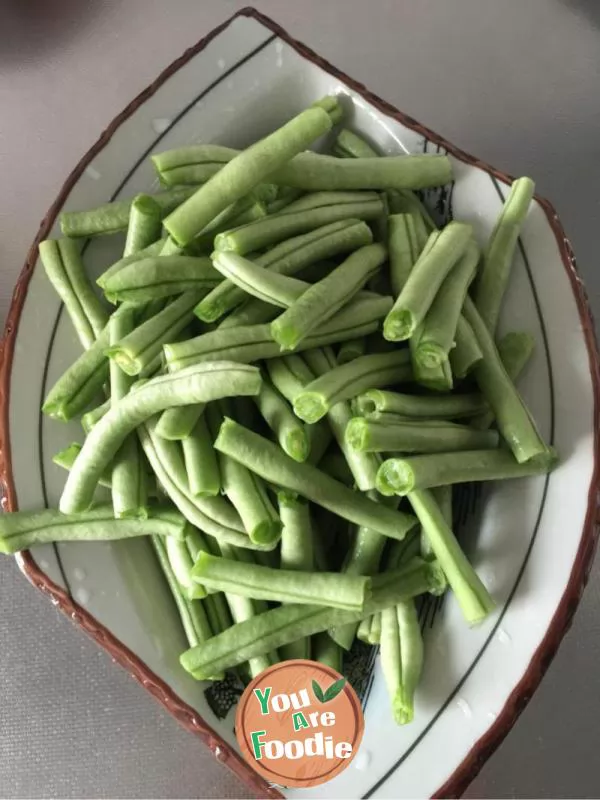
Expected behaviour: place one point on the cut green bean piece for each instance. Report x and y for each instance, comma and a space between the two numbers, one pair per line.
404, 475
145, 224
206, 159
347, 380
332, 589
401, 657
289, 622
455, 406
182, 563
248, 494
362, 465
434, 436
351, 350
245, 171
160, 276
255, 342
178, 423
513, 419
63, 266
114, 217
439, 330
499, 253
81, 383
287, 224
66, 458
404, 201
466, 353
515, 350
154, 249
23, 529
321, 301
425, 280
200, 459
139, 349
350, 145
326, 651
437, 379
198, 384
129, 478
288, 258
471, 595
270, 287
297, 534
90, 418
267, 460
290, 432
404, 248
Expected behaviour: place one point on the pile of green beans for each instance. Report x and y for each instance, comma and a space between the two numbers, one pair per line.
295, 348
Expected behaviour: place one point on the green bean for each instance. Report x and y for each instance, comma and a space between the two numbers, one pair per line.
401, 657
289, 431
80, 384
363, 630
439, 330
404, 249
515, 350
66, 458
363, 466
144, 224
466, 353
351, 349
512, 416
425, 280
209, 514
182, 563
198, 384
499, 253
297, 534
404, 475
279, 227
321, 301
288, 258
471, 595
267, 460
249, 497
217, 612
114, 217
404, 201
270, 287
90, 418
23, 529
160, 276
137, 350
191, 612
375, 402
254, 342
154, 249
326, 651
245, 171
200, 460
437, 379
129, 481
178, 423
289, 622
346, 381
443, 497
349, 145
204, 159
331, 589
422, 436
63, 265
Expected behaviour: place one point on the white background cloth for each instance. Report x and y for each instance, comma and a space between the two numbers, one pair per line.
517, 84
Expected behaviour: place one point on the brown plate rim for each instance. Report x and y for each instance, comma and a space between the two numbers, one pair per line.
185, 714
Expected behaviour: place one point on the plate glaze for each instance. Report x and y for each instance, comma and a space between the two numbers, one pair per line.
535, 539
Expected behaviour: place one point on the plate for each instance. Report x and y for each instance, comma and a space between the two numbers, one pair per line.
535, 538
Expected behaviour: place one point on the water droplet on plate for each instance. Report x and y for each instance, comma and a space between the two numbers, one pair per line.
79, 574
92, 173
492, 715
503, 637
82, 596
161, 124
362, 760
221, 63
464, 706
44, 564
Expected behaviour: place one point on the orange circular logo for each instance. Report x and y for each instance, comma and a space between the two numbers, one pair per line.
299, 723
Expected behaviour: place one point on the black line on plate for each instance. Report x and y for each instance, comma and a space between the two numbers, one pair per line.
119, 188
513, 591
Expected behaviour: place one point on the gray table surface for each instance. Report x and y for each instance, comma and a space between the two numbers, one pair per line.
516, 83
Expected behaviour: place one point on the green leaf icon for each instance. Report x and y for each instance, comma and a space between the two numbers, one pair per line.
334, 689
318, 692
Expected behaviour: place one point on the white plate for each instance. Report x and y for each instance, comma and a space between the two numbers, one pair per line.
535, 538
